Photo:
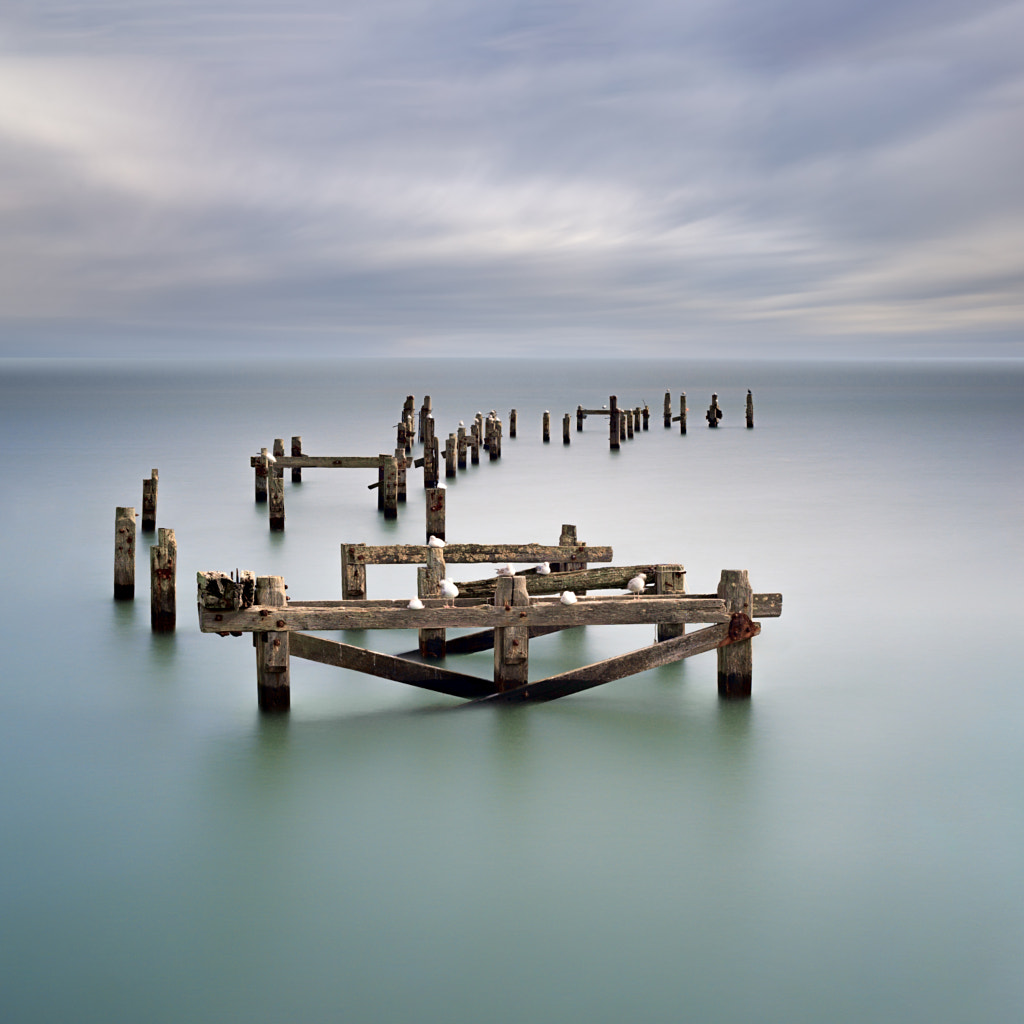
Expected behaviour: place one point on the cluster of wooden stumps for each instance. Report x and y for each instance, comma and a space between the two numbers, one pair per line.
713, 415
163, 559
507, 612
461, 448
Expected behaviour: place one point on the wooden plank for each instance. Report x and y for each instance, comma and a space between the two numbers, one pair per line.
387, 666
473, 643
416, 554
607, 671
322, 461
604, 578
588, 611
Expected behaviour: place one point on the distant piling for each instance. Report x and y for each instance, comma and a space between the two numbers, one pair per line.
149, 494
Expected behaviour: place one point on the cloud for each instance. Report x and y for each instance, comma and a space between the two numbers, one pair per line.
655, 173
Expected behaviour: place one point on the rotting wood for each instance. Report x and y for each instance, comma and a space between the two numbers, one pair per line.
124, 553
275, 482
416, 554
428, 585
435, 503
614, 426
149, 496
566, 429
296, 454
261, 465
670, 579
667, 410
353, 574
512, 421
321, 461
273, 684
735, 663
511, 643
750, 410
546, 427
163, 566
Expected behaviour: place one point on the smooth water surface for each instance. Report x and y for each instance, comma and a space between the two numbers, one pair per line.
844, 847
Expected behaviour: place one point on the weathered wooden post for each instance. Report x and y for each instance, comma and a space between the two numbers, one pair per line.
462, 446
499, 433
403, 464
646, 412
566, 429
390, 485
629, 423
668, 409
750, 412
735, 661
163, 566
670, 579
451, 469
353, 573
481, 436
493, 438
546, 427
273, 683
579, 419
424, 416
474, 443
682, 413
622, 425
428, 584
435, 512
511, 643
613, 422
512, 424
262, 468
275, 479
124, 553
149, 489
296, 454
714, 413
431, 462
568, 537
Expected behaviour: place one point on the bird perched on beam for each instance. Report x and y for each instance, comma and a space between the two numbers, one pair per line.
449, 592
434, 542
505, 570
544, 569
568, 597
636, 585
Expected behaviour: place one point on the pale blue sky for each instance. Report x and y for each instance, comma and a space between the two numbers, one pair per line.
688, 177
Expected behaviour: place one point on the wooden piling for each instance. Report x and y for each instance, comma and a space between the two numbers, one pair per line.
565, 538
275, 481
403, 463
462, 446
390, 485
579, 419
566, 429
646, 413
424, 416
261, 469
546, 427
435, 512
512, 418
481, 436
273, 683
682, 413
735, 661
511, 643
124, 553
613, 422
668, 409
149, 489
451, 469
474, 443
428, 584
714, 413
629, 423
431, 462
670, 579
353, 574
750, 412
163, 565
296, 454
622, 425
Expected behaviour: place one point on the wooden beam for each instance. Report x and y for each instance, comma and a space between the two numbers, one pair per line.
387, 666
588, 611
416, 554
322, 461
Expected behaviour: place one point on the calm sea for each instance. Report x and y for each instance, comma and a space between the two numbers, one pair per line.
846, 847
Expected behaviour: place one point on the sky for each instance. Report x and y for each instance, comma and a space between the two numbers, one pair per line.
659, 177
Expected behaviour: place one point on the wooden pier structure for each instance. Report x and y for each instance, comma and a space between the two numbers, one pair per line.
507, 610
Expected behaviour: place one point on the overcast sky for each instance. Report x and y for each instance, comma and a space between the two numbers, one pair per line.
407, 176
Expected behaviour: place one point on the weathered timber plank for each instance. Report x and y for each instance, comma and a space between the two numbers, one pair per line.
605, 578
322, 461
387, 666
472, 643
416, 554
607, 671
590, 611
766, 606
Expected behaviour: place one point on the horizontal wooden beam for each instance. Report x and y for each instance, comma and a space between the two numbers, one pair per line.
600, 672
471, 643
603, 578
588, 611
416, 554
387, 666
320, 461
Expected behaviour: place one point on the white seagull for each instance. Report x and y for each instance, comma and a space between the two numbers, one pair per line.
505, 570
636, 585
544, 569
449, 592
415, 604
434, 542
568, 597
